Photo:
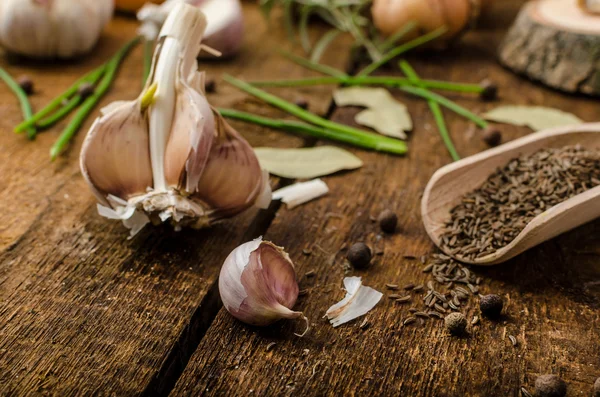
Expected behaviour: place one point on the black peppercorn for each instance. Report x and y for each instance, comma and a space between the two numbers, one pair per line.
490, 90
456, 323
210, 86
492, 136
26, 84
359, 256
85, 90
550, 386
388, 221
597, 388
302, 103
491, 305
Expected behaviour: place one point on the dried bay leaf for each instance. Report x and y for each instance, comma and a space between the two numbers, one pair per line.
306, 163
536, 117
384, 113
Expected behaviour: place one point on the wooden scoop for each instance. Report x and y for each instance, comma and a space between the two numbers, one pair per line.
450, 183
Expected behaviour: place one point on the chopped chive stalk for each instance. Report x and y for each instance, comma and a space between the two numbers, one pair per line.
393, 39
383, 143
393, 53
435, 109
148, 49
22, 97
389, 81
456, 108
317, 67
90, 103
368, 141
92, 77
60, 114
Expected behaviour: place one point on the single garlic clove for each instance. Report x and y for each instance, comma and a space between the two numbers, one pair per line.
190, 140
258, 284
232, 180
115, 159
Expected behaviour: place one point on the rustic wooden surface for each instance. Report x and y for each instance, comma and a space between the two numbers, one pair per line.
83, 310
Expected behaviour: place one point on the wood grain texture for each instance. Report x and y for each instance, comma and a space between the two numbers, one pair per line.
557, 43
82, 309
552, 294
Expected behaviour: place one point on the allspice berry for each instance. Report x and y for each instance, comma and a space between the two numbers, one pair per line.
491, 305
301, 103
550, 386
210, 86
597, 388
490, 90
456, 323
359, 256
26, 84
492, 136
85, 90
388, 221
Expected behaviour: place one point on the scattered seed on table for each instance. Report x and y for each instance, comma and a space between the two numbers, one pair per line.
404, 299
524, 392
513, 340
597, 388
301, 103
303, 292
436, 314
456, 323
491, 305
409, 320
309, 273
413, 310
439, 308
306, 252
550, 386
392, 287
427, 268
26, 84
210, 86
388, 221
365, 324
359, 255
418, 288
270, 346
409, 257
492, 136
394, 296
421, 314
475, 320
423, 259
408, 287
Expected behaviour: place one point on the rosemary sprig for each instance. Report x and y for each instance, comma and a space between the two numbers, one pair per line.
388, 81
383, 143
90, 103
435, 109
366, 141
22, 97
91, 77
393, 53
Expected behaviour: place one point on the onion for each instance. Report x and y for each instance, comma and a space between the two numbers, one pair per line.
390, 16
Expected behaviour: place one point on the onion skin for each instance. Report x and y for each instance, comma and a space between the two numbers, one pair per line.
390, 16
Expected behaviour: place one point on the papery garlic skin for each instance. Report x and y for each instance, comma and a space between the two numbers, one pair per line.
174, 159
258, 284
52, 28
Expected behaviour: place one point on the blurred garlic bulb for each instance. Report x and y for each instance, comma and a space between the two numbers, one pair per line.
390, 16
258, 284
225, 29
168, 155
52, 28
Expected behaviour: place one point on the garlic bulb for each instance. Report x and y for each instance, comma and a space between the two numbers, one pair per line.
225, 30
168, 155
390, 16
258, 284
52, 28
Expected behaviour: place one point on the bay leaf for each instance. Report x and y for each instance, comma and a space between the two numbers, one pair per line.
306, 163
384, 113
536, 117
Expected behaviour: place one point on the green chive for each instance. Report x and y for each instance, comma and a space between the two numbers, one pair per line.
22, 97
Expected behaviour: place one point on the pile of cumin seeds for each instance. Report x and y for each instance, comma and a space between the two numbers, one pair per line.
491, 216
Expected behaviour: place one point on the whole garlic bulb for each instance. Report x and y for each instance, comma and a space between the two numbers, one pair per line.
389, 16
258, 284
52, 28
168, 155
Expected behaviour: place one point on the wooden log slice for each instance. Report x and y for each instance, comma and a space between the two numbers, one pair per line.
557, 43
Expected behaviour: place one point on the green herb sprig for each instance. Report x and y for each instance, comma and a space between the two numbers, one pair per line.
23, 100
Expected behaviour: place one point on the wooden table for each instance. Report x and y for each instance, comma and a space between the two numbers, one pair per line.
85, 311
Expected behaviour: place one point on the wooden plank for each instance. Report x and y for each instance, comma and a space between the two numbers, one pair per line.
82, 309
552, 296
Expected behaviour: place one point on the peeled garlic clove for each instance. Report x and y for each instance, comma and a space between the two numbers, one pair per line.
115, 159
258, 284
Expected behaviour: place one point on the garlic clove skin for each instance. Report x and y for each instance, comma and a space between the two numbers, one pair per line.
63, 28
258, 284
225, 30
232, 180
115, 159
